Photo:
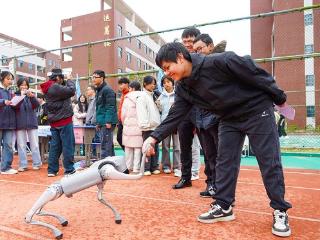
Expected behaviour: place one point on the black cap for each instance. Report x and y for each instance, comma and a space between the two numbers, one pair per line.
56, 72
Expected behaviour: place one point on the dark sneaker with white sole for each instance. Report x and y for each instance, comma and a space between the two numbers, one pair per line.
216, 214
280, 225
209, 192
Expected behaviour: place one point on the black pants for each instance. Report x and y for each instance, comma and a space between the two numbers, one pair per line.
119, 134
153, 161
185, 131
209, 142
263, 136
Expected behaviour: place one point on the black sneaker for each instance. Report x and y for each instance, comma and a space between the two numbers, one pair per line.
209, 192
70, 173
280, 225
216, 214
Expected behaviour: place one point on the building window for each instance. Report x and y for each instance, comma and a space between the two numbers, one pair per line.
308, 19
138, 63
139, 44
49, 62
30, 66
20, 77
128, 57
129, 39
308, 48
310, 111
119, 70
20, 63
4, 61
150, 52
40, 69
31, 80
119, 31
145, 66
145, 49
119, 52
309, 80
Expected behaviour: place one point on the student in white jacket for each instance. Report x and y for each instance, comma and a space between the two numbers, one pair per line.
165, 101
148, 119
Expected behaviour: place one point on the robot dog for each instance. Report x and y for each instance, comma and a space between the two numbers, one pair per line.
110, 168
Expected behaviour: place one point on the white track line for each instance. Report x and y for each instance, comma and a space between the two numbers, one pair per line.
201, 205
173, 201
21, 233
260, 184
285, 171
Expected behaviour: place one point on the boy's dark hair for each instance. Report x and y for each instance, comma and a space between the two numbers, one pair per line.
135, 85
100, 73
21, 80
148, 80
168, 78
204, 38
169, 52
124, 80
4, 74
190, 32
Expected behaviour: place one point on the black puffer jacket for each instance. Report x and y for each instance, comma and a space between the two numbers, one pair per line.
58, 99
230, 86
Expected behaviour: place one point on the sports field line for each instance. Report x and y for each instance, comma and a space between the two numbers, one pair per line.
285, 171
171, 201
201, 179
260, 184
201, 205
22, 233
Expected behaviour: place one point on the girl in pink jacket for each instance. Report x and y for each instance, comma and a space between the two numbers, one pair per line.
132, 135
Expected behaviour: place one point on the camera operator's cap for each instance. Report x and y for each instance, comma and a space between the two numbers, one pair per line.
56, 72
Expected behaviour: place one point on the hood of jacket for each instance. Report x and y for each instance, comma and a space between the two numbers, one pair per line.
46, 85
132, 96
166, 94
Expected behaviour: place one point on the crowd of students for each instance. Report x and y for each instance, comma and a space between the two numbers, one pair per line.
213, 99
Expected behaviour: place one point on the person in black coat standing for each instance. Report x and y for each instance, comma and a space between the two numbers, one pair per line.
242, 95
58, 93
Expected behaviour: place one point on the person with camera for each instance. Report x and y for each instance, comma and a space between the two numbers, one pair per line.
58, 93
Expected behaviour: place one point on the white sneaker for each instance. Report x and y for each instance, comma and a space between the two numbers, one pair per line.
167, 170
147, 173
22, 169
10, 171
195, 176
36, 167
177, 173
281, 225
156, 172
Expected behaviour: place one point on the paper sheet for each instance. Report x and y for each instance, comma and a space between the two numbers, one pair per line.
287, 111
16, 99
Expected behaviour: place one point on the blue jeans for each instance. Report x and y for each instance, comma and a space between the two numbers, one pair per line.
107, 148
62, 141
7, 151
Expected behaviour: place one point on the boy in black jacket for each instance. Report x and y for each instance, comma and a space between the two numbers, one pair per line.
242, 95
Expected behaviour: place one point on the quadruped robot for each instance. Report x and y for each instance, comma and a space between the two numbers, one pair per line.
110, 168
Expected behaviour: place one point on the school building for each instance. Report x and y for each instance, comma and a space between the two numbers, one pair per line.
286, 35
115, 19
34, 68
